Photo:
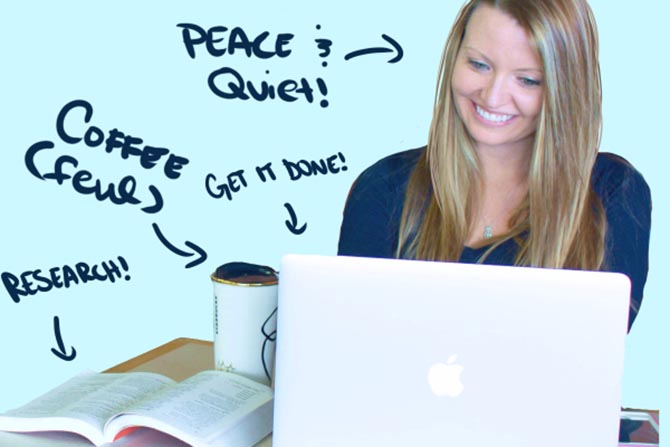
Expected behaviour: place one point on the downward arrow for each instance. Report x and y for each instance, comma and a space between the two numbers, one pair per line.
61, 353
292, 225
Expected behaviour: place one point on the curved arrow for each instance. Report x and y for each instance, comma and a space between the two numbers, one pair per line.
202, 255
293, 223
61, 352
396, 47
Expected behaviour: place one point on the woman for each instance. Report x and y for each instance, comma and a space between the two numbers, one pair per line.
511, 174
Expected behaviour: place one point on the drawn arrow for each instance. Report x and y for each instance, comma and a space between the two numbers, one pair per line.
396, 48
61, 353
201, 254
292, 225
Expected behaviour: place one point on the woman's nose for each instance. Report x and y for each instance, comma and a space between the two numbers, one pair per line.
495, 92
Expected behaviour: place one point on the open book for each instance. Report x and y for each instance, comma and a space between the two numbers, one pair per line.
209, 409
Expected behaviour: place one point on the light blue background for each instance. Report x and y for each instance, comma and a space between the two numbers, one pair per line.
128, 61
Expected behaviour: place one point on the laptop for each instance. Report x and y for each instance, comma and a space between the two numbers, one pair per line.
379, 352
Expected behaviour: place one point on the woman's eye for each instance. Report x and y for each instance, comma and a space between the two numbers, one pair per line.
529, 82
477, 65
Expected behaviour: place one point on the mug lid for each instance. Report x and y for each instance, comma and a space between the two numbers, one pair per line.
245, 274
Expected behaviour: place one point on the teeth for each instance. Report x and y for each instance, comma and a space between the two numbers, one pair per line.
492, 116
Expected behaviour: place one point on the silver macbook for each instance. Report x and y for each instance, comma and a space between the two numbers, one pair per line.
411, 353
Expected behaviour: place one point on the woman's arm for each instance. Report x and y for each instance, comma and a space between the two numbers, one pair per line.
627, 201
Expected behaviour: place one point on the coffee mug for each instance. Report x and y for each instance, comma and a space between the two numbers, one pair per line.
245, 319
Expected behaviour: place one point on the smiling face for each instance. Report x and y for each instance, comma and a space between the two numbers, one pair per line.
497, 82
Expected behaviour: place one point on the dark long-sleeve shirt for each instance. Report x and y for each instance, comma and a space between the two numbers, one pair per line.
371, 219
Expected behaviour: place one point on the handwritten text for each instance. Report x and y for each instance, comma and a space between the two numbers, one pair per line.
35, 281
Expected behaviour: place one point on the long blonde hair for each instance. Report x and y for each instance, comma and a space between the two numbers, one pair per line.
560, 223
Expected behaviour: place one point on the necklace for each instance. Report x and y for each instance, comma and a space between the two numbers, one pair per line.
488, 227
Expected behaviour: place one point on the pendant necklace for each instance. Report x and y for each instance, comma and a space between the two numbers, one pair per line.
488, 227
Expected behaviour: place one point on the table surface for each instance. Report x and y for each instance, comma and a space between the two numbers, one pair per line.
178, 359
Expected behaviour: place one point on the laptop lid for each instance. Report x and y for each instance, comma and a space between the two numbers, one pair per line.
404, 353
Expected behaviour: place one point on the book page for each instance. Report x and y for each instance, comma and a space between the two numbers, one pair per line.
198, 408
43, 439
83, 404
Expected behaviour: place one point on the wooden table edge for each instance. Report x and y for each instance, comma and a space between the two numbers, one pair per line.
155, 353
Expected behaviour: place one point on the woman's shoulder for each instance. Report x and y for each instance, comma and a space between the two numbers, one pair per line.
392, 170
608, 161
372, 211
613, 175
398, 162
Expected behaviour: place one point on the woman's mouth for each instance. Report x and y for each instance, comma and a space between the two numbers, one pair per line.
492, 117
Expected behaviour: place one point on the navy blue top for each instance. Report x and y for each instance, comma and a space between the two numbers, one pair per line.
371, 219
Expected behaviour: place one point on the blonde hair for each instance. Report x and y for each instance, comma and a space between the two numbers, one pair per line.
560, 223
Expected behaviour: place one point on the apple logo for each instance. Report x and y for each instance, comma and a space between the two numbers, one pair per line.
445, 380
